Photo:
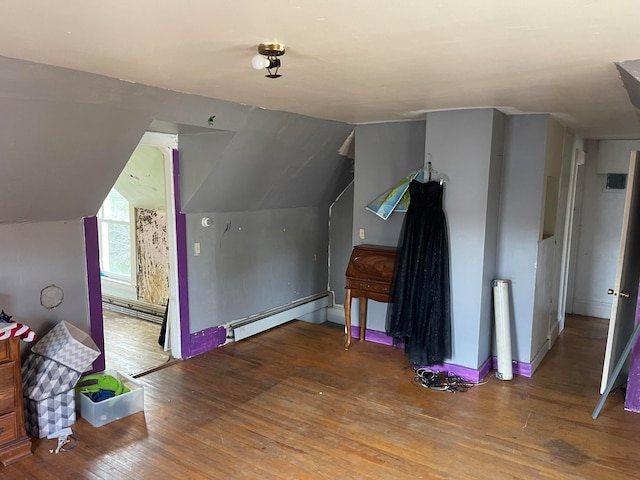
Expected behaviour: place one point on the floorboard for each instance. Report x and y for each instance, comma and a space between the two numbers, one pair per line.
131, 344
290, 403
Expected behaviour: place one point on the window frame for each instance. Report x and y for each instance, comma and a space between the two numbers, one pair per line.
103, 244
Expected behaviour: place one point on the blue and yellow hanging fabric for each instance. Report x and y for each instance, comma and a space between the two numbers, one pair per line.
397, 198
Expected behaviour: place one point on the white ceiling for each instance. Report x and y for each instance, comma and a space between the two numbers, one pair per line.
354, 61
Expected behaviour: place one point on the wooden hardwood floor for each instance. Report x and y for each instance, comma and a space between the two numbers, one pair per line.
292, 404
131, 344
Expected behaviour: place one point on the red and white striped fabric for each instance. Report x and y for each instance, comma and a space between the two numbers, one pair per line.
17, 330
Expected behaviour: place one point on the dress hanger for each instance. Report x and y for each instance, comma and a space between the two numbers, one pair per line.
434, 175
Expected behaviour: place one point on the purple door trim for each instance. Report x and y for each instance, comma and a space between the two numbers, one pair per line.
92, 255
181, 247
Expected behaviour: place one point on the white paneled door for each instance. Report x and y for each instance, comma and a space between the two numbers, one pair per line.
625, 288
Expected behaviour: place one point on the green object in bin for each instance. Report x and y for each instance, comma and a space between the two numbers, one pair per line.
93, 383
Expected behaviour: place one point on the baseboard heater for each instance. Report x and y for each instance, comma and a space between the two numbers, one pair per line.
246, 327
134, 308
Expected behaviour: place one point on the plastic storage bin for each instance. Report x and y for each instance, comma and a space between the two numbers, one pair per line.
115, 408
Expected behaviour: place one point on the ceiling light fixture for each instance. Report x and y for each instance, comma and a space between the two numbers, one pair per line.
268, 58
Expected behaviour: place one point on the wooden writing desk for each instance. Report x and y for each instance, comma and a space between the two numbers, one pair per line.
369, 275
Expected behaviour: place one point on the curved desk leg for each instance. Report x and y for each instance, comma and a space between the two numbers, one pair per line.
347, 318
363, 317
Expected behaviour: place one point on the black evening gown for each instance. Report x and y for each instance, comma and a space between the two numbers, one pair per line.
419, 312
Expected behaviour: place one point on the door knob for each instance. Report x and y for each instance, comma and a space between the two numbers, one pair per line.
610, 291
624, 295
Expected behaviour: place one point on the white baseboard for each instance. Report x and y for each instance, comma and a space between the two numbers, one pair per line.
591, 308
317, 316
335, 314
246, 327
554, 333
537, 360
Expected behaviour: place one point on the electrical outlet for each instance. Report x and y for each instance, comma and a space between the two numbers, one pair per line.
196, 249
362, 234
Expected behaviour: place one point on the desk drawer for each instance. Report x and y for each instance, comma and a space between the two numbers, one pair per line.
365, 286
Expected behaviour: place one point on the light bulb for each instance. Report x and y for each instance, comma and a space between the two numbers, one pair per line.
259, 62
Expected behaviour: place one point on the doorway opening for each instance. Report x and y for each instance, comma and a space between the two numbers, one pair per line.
136, 237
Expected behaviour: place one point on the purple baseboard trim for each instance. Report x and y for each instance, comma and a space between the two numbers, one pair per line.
519, 368
207, 339
469, 374
94, 288
374, 336
632, 398
484, 369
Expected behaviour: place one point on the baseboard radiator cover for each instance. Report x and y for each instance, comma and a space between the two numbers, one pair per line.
260, 322
134, 308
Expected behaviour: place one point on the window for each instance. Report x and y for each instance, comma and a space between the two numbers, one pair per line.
114, 219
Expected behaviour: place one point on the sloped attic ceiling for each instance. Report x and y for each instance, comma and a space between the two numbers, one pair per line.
142, 180
277, 160
630, 74
56, 156
66, 135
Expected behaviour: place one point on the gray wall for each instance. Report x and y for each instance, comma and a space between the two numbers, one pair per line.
385, 153
491, 236
44, 144
275, 160
199, 153
521, 204
250, 262
536, 147
86, 126
340, 231
65, 136
34, 255
464, 145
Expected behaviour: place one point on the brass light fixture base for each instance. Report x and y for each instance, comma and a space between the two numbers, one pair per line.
271, 49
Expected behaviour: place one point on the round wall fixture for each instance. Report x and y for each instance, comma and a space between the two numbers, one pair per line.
51, 296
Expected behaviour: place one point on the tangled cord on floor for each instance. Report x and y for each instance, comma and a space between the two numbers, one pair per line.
441, 381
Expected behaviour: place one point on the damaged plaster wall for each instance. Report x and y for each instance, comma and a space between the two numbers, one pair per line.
152, 252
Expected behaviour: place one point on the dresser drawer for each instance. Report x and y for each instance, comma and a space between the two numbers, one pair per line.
4, 351
8, 431
7, 387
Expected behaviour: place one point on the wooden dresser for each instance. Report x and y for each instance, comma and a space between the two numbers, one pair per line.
14, 442
369, 275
